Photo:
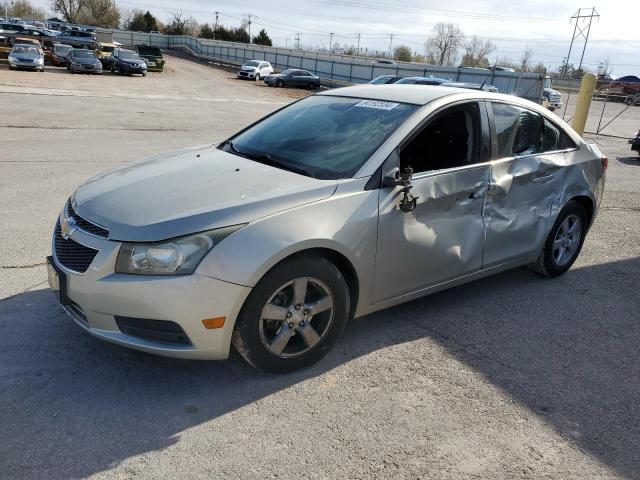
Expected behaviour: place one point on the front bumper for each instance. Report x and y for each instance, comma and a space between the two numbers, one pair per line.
30, 66
99, 295
242, 74
125, 68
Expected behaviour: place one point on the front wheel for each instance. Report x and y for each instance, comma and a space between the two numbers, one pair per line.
294, 316
257, 77
563, 245
280, 83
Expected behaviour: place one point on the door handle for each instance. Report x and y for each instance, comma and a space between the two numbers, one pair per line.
543, 178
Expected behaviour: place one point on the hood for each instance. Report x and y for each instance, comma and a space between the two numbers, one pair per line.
86, 61
191, 191
248, 69
551, 91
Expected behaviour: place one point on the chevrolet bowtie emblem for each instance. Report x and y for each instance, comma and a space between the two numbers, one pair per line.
67, 227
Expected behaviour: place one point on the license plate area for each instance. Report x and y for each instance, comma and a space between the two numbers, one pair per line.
57, 281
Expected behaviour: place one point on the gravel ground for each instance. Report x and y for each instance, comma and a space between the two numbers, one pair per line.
514, 376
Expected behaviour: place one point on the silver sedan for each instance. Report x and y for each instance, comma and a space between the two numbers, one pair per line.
338, 205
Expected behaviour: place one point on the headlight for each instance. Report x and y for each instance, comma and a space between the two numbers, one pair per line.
12, 58
40, 60
179, 256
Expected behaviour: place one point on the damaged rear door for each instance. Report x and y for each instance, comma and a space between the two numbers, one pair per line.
526, 177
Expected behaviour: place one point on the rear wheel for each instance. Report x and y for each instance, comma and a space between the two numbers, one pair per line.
294, 316
563, 245
280, 83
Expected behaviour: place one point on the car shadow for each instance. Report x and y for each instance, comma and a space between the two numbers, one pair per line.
566, 349
629, 160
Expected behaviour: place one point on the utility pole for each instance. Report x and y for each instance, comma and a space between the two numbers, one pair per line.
298, 41
330, 40
249, 22
390, 42
215, 28
358, 49
581, 30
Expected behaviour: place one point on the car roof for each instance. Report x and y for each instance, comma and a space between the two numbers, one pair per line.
419, 94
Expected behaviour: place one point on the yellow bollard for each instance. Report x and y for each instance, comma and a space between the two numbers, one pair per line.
587, 88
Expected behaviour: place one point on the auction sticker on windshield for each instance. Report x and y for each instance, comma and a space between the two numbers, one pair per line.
380, 105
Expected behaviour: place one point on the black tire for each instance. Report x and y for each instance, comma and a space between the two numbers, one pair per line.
246, 336
280, 83
546, 264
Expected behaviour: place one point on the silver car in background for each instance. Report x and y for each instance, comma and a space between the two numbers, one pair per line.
336, 206
26, 56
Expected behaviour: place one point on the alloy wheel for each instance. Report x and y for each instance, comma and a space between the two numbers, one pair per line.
567, 240
297, 316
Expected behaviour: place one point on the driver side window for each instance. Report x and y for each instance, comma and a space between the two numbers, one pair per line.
450, 140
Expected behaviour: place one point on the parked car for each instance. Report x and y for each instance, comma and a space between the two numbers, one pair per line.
255, 70
385, 79
26, 56
45, 40
552, 98
293, 78
471, 86
59, 54
421, 81
625, 85
153, 57
127, 62
103, 51
77, 39
635, 143
340, 204
386, 62
81, 60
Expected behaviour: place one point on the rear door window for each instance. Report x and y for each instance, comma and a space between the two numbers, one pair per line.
518, 131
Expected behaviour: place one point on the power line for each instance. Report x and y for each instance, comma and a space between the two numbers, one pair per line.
371, 5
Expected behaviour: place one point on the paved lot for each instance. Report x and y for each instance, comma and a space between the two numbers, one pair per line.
514, 376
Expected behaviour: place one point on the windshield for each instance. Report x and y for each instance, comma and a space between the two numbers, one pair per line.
328, 137
382, 79
107, 49
63, 49
129, 55
252, 63
82, 54
25, 49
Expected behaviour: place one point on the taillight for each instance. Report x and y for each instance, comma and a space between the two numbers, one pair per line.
605, 161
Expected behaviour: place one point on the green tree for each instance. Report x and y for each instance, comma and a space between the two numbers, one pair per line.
262, 38
402, 53
140, 21
206, 31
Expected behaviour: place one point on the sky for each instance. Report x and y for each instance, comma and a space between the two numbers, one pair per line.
513, 25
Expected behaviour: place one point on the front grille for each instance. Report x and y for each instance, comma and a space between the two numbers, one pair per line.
158, 330
70, 254
86, 225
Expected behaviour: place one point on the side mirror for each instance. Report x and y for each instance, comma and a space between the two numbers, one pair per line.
391, 178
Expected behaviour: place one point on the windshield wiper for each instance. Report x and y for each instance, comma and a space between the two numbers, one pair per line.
267, 159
